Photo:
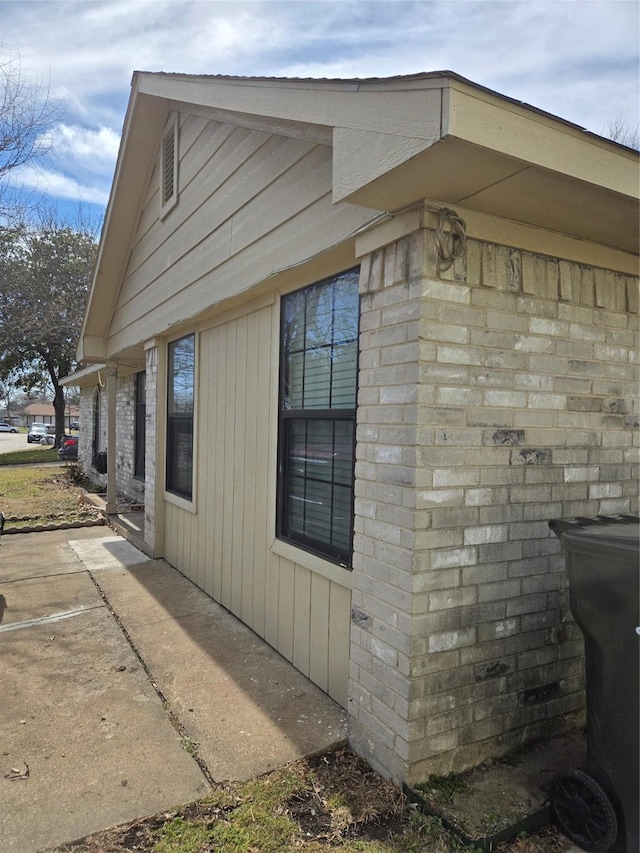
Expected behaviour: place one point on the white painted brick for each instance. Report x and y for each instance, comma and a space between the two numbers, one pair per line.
484, 535
547, 401
443, 477
510, 399
548, 328
448, 640
454, 558
447, 292
439, 497
605, 490
459, 355
581, 474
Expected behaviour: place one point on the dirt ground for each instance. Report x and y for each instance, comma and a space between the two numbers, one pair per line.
500, 794
341, 805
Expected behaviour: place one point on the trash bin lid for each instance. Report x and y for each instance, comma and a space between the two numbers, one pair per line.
620, 534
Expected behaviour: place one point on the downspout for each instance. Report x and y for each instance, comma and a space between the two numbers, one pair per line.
112, 377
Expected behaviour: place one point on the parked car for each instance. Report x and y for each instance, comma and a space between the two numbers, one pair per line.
8, 428
36, 433
74, 425
68, 450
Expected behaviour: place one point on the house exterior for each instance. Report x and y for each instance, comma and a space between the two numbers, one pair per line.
352, 343
44, 413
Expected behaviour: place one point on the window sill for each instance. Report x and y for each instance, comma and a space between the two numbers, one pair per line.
183, 503
313, 563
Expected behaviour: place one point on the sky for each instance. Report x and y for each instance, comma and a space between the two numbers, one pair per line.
577, 59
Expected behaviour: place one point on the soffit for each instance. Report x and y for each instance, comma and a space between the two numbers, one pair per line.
458, 172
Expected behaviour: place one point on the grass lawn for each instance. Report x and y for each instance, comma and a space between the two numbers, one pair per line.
37, 454
40, 493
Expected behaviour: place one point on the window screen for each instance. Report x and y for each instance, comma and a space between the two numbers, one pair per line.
319, 369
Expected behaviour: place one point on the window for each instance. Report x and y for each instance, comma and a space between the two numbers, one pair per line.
140, 425
169, 168
318, 386
181, 373
96, 422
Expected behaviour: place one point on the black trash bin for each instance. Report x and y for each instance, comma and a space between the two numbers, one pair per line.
598, 807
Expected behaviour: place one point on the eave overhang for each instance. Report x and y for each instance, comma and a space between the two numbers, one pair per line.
396, 142
85, 377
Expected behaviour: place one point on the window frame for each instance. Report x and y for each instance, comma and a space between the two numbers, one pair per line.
169, 161
286, 418
173, 418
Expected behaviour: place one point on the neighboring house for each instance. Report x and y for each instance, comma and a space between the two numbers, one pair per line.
353, 343
44, 413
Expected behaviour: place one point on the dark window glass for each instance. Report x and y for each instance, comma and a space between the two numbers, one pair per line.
140, 425
317, 416
181, 372
96, 421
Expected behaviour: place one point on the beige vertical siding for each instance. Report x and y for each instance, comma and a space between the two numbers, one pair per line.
224, 547
249, 203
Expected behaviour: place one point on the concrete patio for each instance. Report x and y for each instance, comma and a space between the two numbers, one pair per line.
127, 691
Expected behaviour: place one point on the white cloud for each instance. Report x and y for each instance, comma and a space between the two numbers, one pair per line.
98, 148
58, 186
577, 59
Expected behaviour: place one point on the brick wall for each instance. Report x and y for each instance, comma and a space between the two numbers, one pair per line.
492, 397
127, 485
85, 436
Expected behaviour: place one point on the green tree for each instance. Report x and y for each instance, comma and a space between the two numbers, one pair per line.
45, 274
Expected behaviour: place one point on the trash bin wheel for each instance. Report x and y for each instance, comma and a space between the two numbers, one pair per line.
582, 810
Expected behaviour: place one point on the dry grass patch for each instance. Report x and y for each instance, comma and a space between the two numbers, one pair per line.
40, 493
334, 802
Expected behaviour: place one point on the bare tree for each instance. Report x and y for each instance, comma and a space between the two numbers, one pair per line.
9, 385
619, 130
27, 112
45, 274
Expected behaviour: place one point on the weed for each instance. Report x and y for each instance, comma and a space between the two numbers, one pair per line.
73, 474
189, 744
443, 789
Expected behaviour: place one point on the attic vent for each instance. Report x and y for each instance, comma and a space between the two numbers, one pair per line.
168, 170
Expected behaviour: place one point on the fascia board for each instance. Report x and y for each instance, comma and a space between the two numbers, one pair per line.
348, 104
501, 125
143, 125
83, 377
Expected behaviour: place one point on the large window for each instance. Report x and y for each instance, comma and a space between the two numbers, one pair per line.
180, 373
318, 386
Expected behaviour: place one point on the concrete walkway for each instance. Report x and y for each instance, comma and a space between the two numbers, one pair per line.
126, 691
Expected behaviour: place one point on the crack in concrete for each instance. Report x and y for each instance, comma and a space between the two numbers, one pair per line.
172, 717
